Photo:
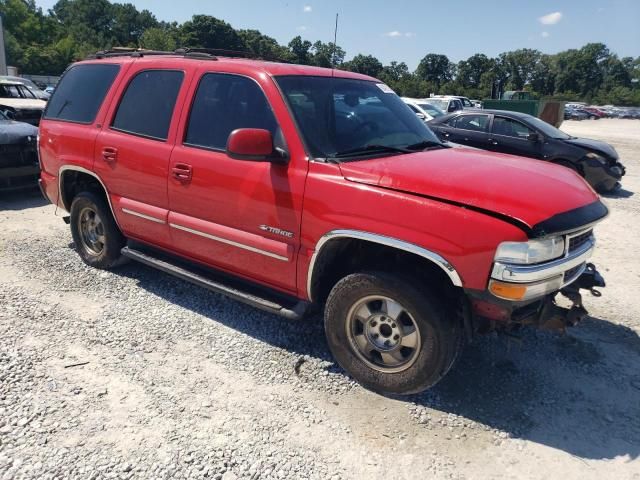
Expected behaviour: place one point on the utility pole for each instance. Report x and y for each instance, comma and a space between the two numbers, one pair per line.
3, 57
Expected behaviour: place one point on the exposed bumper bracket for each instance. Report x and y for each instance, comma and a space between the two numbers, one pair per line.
555, 317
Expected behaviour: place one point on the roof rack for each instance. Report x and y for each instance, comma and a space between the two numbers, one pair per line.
126, 52
187, 52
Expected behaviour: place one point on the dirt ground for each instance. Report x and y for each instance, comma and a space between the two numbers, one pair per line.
182, 383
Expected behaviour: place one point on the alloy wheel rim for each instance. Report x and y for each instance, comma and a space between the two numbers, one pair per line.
91, 230
383, 334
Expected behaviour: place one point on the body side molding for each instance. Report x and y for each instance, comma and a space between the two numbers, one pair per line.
382, 240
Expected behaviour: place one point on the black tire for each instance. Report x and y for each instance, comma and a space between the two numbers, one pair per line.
106, 233
441, 333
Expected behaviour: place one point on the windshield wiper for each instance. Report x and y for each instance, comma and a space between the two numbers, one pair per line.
423, 144
352, 152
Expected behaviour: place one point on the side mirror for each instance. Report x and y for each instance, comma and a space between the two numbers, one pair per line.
421, 116
452, 108
534, 137
10, 114
254, 144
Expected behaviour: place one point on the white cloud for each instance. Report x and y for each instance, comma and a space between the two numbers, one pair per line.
394, 33
550, 18
307, 8
302, 28
544, 34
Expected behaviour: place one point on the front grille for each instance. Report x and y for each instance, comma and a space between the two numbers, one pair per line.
579, 240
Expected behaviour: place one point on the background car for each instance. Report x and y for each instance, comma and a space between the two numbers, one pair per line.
571, 113
521, 134
446, 104
35, 89
18, 158
19, 103
422, 108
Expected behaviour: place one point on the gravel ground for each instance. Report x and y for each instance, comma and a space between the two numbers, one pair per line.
134, 374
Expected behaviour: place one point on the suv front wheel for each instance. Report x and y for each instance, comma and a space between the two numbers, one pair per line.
95, 233
389, 335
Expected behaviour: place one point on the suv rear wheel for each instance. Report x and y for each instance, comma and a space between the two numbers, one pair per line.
390, 336
95, 233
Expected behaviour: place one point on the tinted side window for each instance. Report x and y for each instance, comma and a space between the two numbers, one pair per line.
510, 128
452, 122
147, 105
80, 93
224, 103
477, 123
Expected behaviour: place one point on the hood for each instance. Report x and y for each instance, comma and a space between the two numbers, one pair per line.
23, 103
527, 191
594, 145
16, 132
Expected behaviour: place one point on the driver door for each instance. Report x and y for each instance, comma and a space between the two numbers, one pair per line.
235, 215
511, 136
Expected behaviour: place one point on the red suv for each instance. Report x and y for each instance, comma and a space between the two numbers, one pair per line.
297, 188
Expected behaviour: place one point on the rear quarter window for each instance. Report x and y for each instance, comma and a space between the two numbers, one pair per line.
80, 92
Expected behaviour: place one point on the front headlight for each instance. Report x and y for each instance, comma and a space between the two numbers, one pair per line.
533, 251
595, 156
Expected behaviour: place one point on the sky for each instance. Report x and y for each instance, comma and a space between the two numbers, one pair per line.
406, 30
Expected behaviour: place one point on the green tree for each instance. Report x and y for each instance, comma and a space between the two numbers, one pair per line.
470, 71
435, 68
326, 55
204, 31
300, 50
159, 38
129, 24
519, 66
365, 64
263, 46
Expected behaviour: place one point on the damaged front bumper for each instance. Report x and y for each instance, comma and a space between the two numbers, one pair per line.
603, 178
490, 313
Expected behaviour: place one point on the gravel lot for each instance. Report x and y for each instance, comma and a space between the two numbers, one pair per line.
177, 382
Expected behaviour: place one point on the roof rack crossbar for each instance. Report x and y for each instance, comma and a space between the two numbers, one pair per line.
187, 52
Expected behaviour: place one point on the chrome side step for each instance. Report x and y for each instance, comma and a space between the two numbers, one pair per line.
294, 311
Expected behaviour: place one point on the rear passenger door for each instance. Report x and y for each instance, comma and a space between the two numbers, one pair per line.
472, 130
133, 149
236, 215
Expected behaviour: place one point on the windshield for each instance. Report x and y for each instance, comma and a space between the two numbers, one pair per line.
548, 130
431, 109
441, 104
339, 116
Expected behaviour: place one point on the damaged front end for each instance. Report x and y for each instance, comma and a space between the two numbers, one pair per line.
547, 313
19, 167
529, 279
555, 317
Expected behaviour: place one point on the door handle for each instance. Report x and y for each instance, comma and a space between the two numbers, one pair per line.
182, 172
109, 154
446, 134
492, 141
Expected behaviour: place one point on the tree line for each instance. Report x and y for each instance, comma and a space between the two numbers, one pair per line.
45, 43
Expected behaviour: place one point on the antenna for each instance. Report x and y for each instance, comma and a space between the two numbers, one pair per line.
335, 37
